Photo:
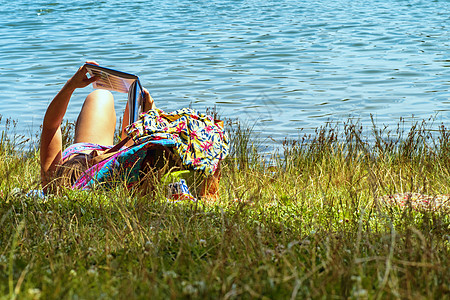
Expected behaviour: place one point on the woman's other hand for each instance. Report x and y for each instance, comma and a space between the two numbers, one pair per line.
149, 103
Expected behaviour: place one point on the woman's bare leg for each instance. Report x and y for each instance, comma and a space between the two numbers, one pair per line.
97, 120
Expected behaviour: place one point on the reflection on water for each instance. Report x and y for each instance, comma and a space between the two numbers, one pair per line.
281, 65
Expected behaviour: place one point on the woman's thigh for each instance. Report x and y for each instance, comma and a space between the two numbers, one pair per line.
96, 122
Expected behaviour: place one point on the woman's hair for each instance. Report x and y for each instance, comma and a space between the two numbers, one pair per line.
67, 173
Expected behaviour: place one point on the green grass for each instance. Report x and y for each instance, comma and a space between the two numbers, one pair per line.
306, 223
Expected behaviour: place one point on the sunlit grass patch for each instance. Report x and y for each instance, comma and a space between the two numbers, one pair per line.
310, 223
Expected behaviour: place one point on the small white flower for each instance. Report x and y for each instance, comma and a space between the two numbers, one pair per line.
92, 272
34, 293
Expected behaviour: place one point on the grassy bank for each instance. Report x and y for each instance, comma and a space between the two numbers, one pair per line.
309, 222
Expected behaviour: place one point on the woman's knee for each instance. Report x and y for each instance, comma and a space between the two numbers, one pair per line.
99, 102
103, 97
99, 105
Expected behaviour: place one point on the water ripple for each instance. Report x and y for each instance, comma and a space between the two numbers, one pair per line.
282, 65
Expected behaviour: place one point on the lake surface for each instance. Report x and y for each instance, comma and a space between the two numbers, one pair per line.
279, 66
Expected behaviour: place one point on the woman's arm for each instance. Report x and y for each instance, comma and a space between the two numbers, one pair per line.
51, 140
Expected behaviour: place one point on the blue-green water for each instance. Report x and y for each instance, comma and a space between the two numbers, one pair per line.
280, 65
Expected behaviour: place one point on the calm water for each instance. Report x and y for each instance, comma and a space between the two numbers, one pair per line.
280, 65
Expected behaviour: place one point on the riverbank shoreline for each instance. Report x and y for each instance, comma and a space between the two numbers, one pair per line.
310, 222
